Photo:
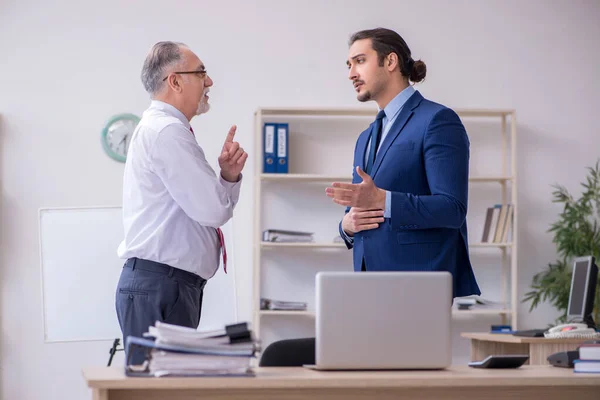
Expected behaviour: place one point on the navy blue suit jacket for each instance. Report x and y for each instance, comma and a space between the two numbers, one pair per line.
424, 163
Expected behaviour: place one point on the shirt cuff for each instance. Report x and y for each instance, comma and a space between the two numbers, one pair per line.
229, 185
387, 212
345, 236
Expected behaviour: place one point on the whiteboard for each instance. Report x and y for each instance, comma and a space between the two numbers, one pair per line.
80, 270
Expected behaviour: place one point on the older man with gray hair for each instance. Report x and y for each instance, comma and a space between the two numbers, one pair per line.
173, 201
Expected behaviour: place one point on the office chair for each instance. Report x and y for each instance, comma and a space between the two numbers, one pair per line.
289, 353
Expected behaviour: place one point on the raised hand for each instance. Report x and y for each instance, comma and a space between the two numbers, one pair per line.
363, 195
232, 158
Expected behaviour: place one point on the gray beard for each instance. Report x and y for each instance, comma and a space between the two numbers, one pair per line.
203, 108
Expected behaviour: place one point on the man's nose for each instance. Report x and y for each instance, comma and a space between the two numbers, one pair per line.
352, 75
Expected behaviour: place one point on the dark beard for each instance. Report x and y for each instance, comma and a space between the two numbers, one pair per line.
366, 96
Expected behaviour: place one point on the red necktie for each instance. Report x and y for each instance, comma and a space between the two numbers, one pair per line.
220, 235
223, 249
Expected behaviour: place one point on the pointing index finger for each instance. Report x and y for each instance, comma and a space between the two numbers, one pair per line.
231, 134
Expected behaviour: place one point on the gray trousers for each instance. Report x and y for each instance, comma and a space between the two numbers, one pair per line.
148, 292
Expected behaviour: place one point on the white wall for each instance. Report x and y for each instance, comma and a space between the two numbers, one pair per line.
65, 68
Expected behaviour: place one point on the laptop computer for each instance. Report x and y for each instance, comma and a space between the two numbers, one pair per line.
383, 320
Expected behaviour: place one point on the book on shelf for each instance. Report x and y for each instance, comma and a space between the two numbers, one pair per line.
589, 358
497, 223
269, 144
589, 351
508, 223
173, 350
487, 224
587, 366
270, 304
275, 148
282, 148
287, 236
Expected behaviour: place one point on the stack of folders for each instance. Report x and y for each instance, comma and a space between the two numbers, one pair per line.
275, 148
589, 358
278, 235
269, 304
498, 223
182, 351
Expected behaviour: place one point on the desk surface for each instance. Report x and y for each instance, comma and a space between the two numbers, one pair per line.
507, 338
281, 378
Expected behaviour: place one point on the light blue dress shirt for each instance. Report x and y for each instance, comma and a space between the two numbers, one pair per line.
392, 110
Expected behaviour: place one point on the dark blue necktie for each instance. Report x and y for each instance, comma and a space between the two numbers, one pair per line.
375, 139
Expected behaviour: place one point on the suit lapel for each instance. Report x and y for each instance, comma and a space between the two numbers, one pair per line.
401, 120
361, 147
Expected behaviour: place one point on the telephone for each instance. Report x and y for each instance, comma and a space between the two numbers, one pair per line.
572, 331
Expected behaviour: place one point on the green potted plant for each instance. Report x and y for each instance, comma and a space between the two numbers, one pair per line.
576, 234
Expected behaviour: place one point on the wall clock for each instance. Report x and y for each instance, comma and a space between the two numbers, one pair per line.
116, 135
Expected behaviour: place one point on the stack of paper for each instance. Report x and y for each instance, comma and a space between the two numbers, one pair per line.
465, 303
237, 339
278, 235
165, 363
183, 351
269, 304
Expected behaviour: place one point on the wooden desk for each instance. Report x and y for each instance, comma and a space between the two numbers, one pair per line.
460, 382
485, 344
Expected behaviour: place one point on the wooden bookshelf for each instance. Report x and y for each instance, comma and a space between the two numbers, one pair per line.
504, 179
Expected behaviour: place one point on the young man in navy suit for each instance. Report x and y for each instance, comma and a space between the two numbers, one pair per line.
406, 207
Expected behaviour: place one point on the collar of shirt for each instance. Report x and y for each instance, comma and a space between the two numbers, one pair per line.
170, 110
391, 113
393, 108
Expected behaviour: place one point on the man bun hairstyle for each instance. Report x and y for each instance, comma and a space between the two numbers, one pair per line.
418, 70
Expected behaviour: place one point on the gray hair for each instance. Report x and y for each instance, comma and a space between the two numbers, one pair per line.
162, 56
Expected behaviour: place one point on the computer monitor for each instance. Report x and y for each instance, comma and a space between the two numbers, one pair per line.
583, 290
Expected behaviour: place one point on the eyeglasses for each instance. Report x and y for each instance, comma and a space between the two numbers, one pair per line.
201, 73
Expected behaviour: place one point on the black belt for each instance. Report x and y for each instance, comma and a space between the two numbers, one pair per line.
165, 269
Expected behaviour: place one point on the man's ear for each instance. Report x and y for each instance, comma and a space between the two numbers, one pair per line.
174, 83
391, 61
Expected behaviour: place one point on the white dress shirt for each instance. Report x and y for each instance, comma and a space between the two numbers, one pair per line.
172, 198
